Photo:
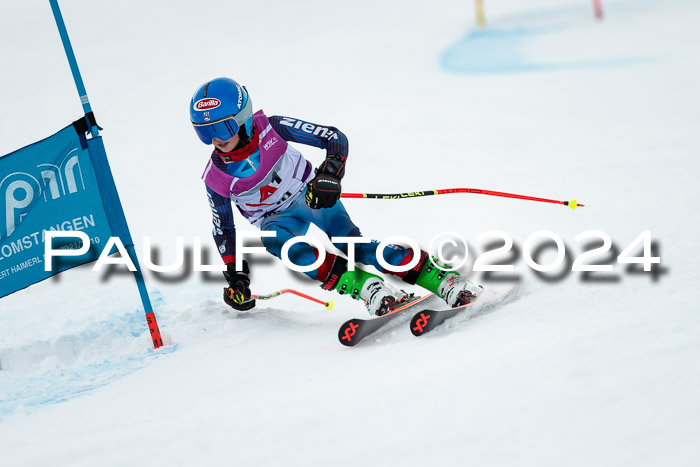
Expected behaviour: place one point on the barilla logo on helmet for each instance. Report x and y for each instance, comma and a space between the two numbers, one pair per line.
207, 104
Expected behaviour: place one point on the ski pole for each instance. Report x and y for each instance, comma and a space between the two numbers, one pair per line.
572, 204
329, 304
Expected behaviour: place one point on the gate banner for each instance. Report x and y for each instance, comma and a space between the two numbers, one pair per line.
53, 184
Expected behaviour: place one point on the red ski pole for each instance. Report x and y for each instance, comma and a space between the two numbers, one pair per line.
329, 304
572, 204
598, 7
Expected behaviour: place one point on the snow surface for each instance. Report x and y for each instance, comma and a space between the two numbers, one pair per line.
546, 101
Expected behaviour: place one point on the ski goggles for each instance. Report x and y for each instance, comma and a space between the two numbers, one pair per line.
225, 128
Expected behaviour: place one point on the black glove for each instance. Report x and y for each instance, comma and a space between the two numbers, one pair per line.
237, 295
324, 190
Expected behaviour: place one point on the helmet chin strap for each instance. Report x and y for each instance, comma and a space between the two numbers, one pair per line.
244, 137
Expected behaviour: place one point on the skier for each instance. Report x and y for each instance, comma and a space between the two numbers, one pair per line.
276, 189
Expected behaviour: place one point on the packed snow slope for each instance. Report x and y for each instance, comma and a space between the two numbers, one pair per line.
599, 370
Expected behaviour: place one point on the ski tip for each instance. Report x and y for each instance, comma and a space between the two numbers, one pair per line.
419, 322
330, 305
347, 332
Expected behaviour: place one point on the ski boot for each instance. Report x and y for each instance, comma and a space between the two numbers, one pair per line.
379, 298
453, 288
457, 290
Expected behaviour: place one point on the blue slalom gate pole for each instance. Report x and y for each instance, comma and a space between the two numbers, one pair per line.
72, 61
108, 190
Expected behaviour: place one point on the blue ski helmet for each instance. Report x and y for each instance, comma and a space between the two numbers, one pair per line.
219, 109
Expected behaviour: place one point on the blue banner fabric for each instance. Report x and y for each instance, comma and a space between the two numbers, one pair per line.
49, 185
